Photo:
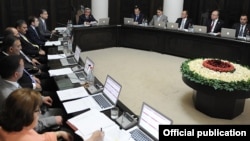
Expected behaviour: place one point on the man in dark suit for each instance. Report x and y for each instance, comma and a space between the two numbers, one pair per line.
42, 27
215, 24
242, 28
137, 15
28, 47
87, 18
184, 21
30, 63
33, 34
13, 71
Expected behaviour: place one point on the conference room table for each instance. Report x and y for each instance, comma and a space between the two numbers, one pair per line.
63, 82
165, 41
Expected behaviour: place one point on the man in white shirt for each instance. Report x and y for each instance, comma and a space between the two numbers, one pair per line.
184, 21
215, 24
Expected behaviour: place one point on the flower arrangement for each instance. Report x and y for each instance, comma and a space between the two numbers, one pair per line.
217, 73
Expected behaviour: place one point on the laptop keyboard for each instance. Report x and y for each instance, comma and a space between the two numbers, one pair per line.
101, 101
138, 135
80, 75
71, 60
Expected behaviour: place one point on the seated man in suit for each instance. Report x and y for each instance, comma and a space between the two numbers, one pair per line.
87, 18
14, 68
184, 21
242, 28
12, 46
42, 27
137, 15
33, 50
159, 17
33, 34
215, 24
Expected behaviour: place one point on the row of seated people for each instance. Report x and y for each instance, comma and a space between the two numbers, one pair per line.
214, 24
23, 64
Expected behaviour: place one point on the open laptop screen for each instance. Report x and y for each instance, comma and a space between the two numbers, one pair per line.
112, 89
88, 62
150, 119
77, 53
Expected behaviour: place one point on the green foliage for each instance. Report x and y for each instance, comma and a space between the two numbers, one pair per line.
216, 84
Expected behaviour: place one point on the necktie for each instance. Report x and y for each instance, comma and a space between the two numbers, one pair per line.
33, 81
136, 18
36, 33
241, 31
44, 25
26, 57
212, 25
182, 24
29, 41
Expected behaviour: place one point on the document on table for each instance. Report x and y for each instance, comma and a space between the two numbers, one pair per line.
93, 120
72, 93
77, 105
57, 72
56, 56
51, 43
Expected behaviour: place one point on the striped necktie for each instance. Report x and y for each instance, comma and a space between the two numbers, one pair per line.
29, 41
26, 57
33, 80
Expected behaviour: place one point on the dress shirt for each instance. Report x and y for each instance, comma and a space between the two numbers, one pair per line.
214, 24
242, 29
158, 18
183, 21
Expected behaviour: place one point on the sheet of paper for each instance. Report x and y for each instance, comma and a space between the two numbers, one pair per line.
92, 120
60, 28
56, 56
72, 93
57, 72
51, 43
77, 105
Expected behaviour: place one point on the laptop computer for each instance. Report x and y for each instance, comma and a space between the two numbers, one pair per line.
128, 21
86, 69
71, 60
200, 29
160, 25
148, 125
171, 25
106, 99
228, 33
103, 21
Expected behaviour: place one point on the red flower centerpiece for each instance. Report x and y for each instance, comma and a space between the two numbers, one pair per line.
218, 65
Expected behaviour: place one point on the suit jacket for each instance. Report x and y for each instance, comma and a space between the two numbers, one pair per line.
139, 19
83, 19
28, 48
236, 26
218, 26
35, 37
6, 88
41, 27
162, 19
187, 23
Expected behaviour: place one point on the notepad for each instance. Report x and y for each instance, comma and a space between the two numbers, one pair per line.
51, 43
86, 123
56, 56
72, 93
57, 72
